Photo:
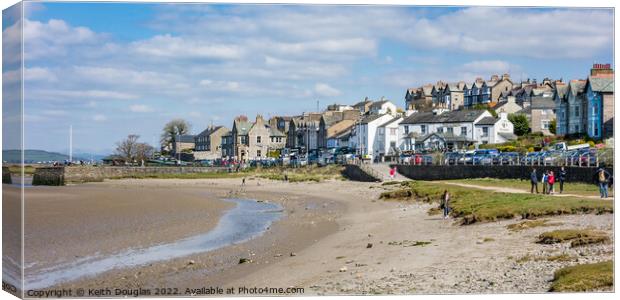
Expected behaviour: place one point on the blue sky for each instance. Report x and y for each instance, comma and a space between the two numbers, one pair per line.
111, 69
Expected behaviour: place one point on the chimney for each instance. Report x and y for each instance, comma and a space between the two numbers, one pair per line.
494, 78
505, 76
259, 118
601, 69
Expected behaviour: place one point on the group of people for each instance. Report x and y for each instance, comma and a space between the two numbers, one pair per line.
549, 178
603, 179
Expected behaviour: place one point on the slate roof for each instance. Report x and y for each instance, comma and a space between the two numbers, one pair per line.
508, 135
209, 131
542, 103
448, 137
243, 127
601, 84
361, 104
455, 116
369, 118
378, 104
185, 138
562, 91
487, 121
390, 121
275, 132
577, 86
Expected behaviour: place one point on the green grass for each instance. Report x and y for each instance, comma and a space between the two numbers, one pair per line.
303, 174
527, 224
475, 205
211, 175
559, 258
584, 278
575, 188
577, 237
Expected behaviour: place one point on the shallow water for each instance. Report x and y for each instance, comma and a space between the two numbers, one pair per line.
248, 219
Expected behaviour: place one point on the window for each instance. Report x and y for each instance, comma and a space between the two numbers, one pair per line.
423, 128
258, 153
392, 131
440, 129
258, 140
576, 128
576, 111
406, 129
545, 124
463, 130
450, 130
485, 131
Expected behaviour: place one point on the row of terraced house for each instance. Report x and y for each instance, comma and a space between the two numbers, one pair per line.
579, 106
450, 116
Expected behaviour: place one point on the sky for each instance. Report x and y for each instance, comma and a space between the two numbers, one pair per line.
113, 69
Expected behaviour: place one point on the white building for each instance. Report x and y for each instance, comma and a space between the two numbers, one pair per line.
387, 137
383, 107
364, 134
454, 130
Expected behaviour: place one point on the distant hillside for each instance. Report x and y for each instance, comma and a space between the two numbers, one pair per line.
34, 156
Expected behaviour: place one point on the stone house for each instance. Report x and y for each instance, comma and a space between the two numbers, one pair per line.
420, 99
508, 106
250, 140
303, 132
451, 96
498, 85
208, 143
183, 143
281, 123
542, 112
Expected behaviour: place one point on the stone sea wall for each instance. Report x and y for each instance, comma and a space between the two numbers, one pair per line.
77, 174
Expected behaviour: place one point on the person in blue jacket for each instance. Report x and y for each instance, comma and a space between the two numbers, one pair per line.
534, 181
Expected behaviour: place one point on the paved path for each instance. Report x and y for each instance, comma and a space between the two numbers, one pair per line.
383, 170
517, 191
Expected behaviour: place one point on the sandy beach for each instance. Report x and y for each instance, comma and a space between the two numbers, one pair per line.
335, 237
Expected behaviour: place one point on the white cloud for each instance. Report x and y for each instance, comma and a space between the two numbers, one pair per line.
323, 89
51, 94
99, 118
169, 46
231, 86
141, 108
54, 38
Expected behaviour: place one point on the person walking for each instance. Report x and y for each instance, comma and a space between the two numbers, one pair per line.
551, 180
446, 204
545, 181
561, 178
243, 181
392, 172
534, 181
603, 177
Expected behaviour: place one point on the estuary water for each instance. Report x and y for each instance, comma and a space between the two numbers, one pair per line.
247, 220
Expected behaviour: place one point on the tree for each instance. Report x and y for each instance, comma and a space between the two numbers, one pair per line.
521, 124
143, 151
553, 125
132, 150
171, 130
127, 147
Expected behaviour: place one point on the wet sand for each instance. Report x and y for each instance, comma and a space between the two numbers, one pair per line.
321, 244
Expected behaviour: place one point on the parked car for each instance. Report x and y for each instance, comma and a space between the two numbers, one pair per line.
451, 158
482, 159
466, 159
531, 158
509, 158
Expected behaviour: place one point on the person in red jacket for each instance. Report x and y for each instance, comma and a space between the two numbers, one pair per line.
551, 182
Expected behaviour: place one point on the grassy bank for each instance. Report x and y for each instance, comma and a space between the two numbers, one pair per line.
575, 188
474, 205
583, 278
304, 174
308, 173
577, 237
